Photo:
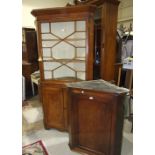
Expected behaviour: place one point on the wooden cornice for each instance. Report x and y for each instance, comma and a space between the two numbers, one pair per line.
98, 2
62, 10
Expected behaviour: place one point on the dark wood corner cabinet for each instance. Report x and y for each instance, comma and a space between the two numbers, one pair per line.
105, 53
29, 56
65, 48
96, 117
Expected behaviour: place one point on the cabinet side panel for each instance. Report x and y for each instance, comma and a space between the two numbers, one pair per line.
73, 125
117, 126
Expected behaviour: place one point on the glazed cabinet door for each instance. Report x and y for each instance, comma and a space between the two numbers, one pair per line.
53, 107
64, 49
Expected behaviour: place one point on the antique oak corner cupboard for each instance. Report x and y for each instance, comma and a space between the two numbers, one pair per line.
65, 48
96, 117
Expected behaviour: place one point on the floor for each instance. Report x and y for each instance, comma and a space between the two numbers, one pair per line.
56, 141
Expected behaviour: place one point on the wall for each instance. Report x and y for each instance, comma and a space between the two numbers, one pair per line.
27, 18
29, 5
125, 10
125, 13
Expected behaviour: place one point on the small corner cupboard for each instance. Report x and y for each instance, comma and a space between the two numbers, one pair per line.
96, 115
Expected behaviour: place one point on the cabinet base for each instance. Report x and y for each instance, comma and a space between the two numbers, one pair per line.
86, 151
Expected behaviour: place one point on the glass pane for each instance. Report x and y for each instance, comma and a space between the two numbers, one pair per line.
80, 59
45, 28
48, 43
78, 43
48, 36
81, 52
77, 66
78, 35
80, 26
48, 74
62, 29
63, 71
81, 75
63, 51
46, 52
47, 58
51, 65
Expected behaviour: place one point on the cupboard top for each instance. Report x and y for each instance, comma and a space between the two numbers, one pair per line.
64, 10
99, 85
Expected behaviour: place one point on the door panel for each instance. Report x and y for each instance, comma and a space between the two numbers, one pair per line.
92, 112
53, 107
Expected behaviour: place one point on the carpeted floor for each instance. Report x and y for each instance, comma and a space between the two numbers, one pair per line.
56, 141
